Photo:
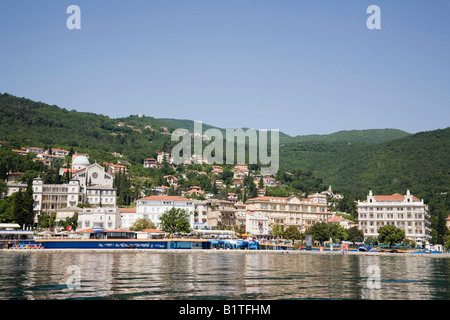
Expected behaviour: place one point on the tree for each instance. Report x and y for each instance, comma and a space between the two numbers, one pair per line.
277, 230
3, 188
390, 234
337, 232
447, 242
347, 204
175, 220
70, 221
28, 205
355, 235
19, 211
223, 194
441, 228
142, 224
261, 183
320, 232
292, 233
47, 220
7, 209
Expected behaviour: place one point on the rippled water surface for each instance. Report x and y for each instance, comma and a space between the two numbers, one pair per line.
140, 275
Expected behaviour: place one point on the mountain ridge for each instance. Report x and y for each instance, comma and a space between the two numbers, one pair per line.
349, 136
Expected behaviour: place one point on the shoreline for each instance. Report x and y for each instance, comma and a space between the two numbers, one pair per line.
221, 251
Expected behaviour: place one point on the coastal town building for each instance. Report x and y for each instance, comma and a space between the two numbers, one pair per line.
195, 191
217, 170
318, 198
106, 218
331, 194
100, 196
60, 153
115, 168
200, 214
91, 174
13, 184
154, 206
222, 213
406, 212
90, 184
171, 180
35, 150
128, 217
80, 162
345, 223
289, 211
150, 163
162, 156
49, 198
257, 224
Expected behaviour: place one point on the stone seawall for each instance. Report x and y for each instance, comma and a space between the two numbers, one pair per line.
224, 251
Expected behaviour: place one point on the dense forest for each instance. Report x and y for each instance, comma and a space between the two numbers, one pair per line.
24, 122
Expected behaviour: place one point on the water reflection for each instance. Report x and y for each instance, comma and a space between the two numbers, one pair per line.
138, 275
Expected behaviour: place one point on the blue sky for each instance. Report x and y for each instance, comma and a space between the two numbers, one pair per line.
304, 67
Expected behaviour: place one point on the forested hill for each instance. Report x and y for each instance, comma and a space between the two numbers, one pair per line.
418, 162
24, 122
352, 136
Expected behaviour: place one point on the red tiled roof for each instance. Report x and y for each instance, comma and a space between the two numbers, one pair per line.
393, 197
152, 231
334, 219
128, 210
268, 198
165, 198
121, 230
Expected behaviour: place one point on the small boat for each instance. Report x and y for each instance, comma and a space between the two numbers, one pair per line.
365, 249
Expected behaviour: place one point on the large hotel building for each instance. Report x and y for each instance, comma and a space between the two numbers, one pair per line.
403, 211
302, 213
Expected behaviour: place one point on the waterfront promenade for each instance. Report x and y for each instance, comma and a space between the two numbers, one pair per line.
228, 251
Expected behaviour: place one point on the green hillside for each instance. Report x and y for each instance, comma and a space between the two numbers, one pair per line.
419, 162
24, 122
351, 161
352, 136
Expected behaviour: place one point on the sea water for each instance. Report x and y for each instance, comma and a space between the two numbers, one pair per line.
198, 276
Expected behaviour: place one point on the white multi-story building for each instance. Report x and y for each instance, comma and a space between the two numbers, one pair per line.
318, 198
162, 156
107, 218
403, 211
257, 224
90, 184
154, 206
200, 214
52, 197
101, 196
128, 217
